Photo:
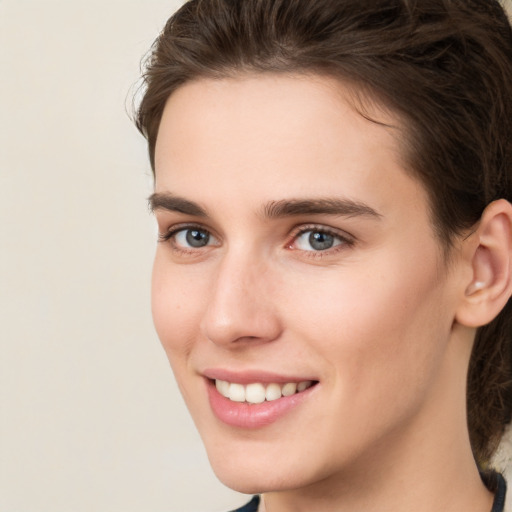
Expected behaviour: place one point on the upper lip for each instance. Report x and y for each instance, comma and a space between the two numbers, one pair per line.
251, 376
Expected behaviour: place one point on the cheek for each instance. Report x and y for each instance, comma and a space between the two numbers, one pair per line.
176, 303
370, 325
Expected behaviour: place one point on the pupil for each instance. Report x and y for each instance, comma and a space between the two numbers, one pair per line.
196, 238
321, 241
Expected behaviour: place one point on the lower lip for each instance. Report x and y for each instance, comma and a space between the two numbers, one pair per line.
252, 416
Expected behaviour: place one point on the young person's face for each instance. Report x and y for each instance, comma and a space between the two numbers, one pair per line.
300, 251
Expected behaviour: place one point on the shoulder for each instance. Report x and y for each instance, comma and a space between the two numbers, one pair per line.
252, 506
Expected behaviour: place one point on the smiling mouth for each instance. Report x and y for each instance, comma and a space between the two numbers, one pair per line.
257, 393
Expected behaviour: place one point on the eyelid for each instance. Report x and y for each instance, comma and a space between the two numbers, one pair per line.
173, 230
346, 238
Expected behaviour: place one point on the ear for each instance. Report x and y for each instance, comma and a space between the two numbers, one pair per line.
490, 256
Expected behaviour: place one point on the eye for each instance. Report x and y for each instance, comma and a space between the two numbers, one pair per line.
318, 240
192, 237
188, 238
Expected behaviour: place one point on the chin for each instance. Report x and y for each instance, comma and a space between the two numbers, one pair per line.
257, 473
247, 480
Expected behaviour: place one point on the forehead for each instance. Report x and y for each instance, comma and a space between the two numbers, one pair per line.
272, 107
268, 137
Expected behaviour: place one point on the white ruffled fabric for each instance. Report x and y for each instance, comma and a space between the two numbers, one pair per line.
502, 462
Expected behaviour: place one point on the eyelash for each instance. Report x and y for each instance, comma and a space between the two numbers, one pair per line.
345, 239
169, 236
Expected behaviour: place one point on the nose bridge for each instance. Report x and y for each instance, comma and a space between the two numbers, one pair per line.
240, 303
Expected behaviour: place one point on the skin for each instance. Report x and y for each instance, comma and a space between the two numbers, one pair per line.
372, 319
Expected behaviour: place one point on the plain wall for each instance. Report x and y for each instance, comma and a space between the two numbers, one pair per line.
90, 417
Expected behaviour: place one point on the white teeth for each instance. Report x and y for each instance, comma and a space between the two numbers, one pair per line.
302, 386
222, 387
273, 392
236, 392
289, 389
257, 393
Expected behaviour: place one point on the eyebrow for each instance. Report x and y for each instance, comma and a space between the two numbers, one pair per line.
172, 203
323, 206
273, 209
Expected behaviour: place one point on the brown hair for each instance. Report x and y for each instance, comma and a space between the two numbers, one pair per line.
444, 66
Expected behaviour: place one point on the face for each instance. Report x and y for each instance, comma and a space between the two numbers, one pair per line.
297, 271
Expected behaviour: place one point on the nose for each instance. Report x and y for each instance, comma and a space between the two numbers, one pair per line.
240, 306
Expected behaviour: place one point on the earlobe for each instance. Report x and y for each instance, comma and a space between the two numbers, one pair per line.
490, 286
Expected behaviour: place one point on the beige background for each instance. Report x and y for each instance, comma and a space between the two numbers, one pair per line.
90, 418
